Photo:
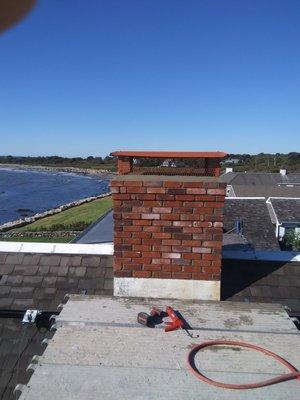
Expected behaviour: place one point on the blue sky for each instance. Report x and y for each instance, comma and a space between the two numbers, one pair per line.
81, 78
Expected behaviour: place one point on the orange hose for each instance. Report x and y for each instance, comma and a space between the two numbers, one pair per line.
294, 374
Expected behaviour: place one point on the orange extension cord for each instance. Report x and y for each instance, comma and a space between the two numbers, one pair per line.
294, 374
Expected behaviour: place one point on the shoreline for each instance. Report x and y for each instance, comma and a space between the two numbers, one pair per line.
7, 226
71, 170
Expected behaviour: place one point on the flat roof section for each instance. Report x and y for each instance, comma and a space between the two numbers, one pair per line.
100, 351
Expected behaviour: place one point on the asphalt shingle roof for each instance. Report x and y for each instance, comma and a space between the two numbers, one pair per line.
258, 229
287, 210
40, 281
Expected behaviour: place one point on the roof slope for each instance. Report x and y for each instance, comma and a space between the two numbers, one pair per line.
40, 281
287, 210
259, 178
266, 191
258, 229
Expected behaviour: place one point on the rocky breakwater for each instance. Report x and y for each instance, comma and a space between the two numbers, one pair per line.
28, 220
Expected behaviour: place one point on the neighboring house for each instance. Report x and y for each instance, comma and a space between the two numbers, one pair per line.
231, 161
263, 191
257, 229
260, 178
285, 215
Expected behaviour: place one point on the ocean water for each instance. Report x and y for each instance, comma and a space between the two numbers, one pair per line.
25, 193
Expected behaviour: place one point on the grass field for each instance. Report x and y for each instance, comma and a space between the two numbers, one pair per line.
76, 218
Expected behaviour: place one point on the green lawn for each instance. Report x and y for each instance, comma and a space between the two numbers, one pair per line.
76, 218
39, 239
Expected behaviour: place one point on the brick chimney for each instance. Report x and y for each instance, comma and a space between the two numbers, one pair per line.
168, 224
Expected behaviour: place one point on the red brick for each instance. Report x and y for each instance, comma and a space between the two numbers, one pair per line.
192, 184
131, 215
182, 249
143, 197
153, 203
205, 198
152, 241
181, 210
122, 273
196, 191
180, 261
142, 222
216, 191
181, 275
155, 190
150, 216
185, 197
152, 228
171, 255
142, 235
192, 230
203, 277
115, 190
152, 267
170, 217
202, 224
161, 274
214, 204
142, 274
191, 269
132, 183
141, 247
212, 243
162, 210
191, 256
162, 222
136, 190
201, 250
192, 243
173, 204
182, 223
116, 183
171, 242
176, 191
159, 247
141, 209
164, 261
132, 228
181, 236
173, 184
210, 257
151, 254
190, 217
165, 197
172, 268
131, 254
153, 183
121, 196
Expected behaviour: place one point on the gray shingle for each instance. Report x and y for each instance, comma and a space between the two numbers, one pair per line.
258, 229
287, 210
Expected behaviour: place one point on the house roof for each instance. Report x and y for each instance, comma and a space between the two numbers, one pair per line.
258, 229
259, 178
40, 281
266, 191
286, 210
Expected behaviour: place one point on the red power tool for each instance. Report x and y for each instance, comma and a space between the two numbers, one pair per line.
156, 315
176, 321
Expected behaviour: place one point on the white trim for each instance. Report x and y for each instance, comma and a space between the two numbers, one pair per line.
285, 198
167, 288
285, 256
57, 248
246, 198
268, 201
